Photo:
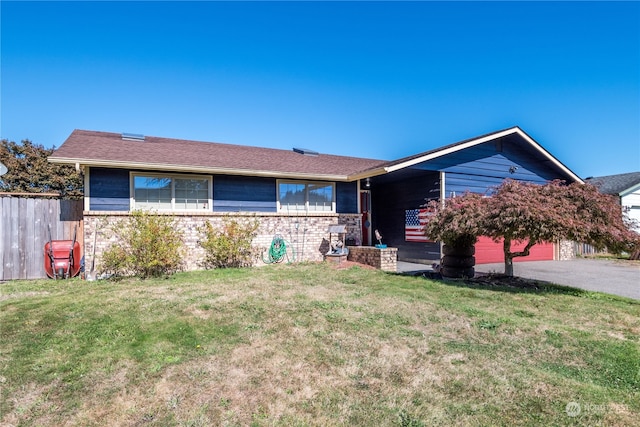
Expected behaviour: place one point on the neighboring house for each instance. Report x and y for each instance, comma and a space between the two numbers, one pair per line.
626, 187
297, 193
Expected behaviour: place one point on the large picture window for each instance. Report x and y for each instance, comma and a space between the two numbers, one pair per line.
168, 193
297, 196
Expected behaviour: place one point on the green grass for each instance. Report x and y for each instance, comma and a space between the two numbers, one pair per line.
307, 345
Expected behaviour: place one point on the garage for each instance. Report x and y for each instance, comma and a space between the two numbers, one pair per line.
489, 252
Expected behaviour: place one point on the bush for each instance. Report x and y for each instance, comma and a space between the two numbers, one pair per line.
149, 246
231, 245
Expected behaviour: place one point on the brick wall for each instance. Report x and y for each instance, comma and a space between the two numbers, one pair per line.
307, 234
384, 259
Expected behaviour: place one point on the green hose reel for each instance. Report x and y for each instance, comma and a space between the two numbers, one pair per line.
279, 250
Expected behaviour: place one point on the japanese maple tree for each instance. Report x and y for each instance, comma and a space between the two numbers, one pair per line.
457, 221
525, 212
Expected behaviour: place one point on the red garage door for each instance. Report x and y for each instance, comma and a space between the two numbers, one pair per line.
488, 251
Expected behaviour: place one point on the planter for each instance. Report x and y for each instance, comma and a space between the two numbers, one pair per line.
385, 259
458, 261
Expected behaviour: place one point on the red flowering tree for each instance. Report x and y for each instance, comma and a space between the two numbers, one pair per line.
525, 212
458, 221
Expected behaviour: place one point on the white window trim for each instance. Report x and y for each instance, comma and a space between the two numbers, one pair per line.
284, 209
209, 178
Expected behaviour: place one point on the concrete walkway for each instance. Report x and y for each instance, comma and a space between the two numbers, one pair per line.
610, 276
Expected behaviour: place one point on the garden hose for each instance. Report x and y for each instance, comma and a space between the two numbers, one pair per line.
278, 250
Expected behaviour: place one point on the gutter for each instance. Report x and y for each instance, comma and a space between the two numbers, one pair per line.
203, 169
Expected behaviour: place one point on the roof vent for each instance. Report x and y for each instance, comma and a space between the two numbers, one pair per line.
306, 151
132, 136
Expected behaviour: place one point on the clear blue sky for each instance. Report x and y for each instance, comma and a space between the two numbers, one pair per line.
370, 79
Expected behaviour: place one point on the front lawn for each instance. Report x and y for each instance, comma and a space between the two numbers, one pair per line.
307, 344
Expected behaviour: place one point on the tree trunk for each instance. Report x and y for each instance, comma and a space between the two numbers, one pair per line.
508, 258
508, 267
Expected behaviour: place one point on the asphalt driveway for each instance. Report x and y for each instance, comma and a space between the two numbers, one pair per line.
610, 276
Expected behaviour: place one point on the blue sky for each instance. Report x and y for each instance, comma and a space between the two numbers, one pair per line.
371, 79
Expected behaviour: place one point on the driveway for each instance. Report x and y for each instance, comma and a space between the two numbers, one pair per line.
610, 276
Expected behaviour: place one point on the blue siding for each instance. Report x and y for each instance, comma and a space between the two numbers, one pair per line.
457, 184
347, 197
244, 193
484, 174
109, 189
389, 202
480, 168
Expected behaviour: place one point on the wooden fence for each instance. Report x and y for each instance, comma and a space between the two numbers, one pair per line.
24, 230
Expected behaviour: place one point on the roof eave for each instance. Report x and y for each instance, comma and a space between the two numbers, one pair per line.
630, 190
481, 140
369, 173
198, 169
544, 152
448, 150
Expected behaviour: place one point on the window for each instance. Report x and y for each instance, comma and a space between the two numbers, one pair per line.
191, 193
295, 196
167, 193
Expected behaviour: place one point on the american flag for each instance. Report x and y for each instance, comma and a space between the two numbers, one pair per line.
414, 222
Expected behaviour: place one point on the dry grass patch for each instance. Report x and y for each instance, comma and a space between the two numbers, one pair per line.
311, 344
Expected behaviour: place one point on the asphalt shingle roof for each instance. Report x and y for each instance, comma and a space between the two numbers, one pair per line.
615, 184
105, 148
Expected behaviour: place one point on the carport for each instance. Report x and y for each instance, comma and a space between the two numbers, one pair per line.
398, 191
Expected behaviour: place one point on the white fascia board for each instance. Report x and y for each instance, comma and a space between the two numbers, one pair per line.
199, 169
550, 157
450, 150
630, 190
482, 140
367, 174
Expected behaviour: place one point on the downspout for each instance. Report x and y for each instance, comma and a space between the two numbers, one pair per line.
443, 196
359, 211
87, 190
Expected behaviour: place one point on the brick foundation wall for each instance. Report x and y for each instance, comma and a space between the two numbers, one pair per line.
307, 234
384, 259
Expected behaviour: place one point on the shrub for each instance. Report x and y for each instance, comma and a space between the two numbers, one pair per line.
229, 246
149, 246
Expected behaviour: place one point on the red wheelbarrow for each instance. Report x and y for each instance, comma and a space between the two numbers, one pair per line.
62, 257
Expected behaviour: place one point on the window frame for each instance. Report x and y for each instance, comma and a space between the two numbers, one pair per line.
172, 177
307, 184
